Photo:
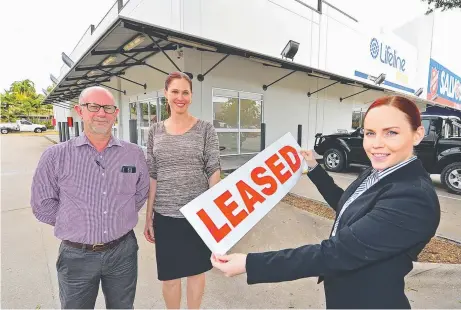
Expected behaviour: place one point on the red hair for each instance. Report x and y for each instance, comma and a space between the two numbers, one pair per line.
405, 105
173, 76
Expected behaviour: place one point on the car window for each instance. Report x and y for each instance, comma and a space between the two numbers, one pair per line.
427, 124
25, 123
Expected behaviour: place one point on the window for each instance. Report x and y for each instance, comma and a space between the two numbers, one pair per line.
357, 119
26, 123
237, 117
427, 125
147, 111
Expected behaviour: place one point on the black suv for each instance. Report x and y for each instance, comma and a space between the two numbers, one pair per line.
439, 151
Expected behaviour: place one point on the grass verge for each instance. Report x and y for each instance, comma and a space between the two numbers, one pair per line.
438, 250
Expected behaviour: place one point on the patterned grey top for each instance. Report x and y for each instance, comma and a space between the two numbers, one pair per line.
181, 164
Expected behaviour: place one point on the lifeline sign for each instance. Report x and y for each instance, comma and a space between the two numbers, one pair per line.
227, 211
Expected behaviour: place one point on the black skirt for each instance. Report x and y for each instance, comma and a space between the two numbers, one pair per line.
179, 250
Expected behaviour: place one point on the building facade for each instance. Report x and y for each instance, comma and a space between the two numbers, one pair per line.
241, 79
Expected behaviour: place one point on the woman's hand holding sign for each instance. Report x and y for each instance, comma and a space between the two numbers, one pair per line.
308, 156
235, 264
231, 265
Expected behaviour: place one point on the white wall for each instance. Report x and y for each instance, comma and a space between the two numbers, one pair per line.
330, 41
163, 13
435, 36
446, 44
286, 103
419, 33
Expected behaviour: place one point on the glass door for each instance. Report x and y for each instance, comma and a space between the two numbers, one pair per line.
149, 111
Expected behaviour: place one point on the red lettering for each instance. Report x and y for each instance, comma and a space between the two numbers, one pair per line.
264, 180
244, 190
284, 151
276, 169
228, 209
217, 233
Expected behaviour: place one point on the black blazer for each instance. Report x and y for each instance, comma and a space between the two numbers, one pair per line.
378, 237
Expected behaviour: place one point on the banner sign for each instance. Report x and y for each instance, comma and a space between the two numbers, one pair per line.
227, 211
444, 86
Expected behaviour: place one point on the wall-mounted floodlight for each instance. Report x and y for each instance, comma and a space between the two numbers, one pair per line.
419, 92
380, 79
67, 60
53, 79
290, 50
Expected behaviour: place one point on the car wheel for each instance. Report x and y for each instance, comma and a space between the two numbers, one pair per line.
4, 131
38, 130
334, 160
451, 178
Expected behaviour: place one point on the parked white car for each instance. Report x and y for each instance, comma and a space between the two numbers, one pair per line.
21, 125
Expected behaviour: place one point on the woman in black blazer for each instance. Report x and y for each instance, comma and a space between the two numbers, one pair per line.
383, 220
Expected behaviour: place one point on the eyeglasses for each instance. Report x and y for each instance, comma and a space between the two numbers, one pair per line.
94, 107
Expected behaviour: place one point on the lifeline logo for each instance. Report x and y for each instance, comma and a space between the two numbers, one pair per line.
386, 55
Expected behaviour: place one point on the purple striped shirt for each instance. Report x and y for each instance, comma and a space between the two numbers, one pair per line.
85, 195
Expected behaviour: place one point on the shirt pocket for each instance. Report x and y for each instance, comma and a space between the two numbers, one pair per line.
126, 183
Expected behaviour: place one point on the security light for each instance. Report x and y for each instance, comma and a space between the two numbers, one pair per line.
380, 79
290, 50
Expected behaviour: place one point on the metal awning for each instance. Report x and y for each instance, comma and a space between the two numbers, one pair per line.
128, 43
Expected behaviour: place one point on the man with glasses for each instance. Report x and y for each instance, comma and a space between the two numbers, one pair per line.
91, 189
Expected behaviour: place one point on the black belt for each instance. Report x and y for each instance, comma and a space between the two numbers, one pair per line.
98, 247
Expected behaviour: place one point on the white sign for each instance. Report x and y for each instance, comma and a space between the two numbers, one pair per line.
227, 211
388, 54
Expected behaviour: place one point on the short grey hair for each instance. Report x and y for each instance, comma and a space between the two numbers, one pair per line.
89, 90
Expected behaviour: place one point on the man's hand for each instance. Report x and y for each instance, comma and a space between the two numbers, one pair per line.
149, 230
231, 265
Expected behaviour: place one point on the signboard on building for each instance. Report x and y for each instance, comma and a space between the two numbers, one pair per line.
444, 87
227, 211
390, 55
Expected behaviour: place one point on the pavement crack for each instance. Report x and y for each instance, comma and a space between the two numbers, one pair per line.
18, 209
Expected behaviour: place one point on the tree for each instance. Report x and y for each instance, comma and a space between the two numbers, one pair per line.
22, 99
444, 5
250, 113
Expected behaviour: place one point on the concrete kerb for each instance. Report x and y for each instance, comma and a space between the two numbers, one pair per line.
51, 140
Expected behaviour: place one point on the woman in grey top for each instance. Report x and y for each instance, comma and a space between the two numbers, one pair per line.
183, 159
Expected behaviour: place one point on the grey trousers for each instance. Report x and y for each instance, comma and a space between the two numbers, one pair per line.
80, 272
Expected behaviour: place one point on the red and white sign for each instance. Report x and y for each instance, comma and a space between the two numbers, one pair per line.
227, 211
